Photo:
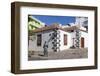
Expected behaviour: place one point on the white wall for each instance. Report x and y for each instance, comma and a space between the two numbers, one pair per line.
73, 35
45, 37
85, 35
82, 34
5, 50
69, 40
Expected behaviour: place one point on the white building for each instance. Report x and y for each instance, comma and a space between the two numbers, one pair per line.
59, 38
82, 21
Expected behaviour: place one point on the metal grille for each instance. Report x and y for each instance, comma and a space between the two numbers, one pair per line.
77, 40
56, 41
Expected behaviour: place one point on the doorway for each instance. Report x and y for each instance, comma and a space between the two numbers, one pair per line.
82, 42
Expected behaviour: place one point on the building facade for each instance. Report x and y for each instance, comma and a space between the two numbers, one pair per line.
34, 23
59, 38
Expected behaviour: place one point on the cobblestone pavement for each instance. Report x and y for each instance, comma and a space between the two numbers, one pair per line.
65, 54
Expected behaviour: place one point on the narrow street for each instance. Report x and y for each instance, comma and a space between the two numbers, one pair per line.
65, 54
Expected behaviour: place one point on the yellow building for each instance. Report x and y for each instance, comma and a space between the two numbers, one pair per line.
34, 23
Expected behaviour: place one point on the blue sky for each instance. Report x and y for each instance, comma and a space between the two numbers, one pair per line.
48, 20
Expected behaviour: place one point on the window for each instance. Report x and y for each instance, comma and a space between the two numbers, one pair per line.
49, 34
65, 39
72, 30
39, 39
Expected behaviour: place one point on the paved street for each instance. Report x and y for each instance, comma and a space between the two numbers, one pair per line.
65, 54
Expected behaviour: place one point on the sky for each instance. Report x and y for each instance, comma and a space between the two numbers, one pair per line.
48, 20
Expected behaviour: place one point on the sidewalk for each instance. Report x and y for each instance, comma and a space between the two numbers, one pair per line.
65, 54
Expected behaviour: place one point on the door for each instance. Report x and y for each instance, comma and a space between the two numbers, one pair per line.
65, 39
82, 42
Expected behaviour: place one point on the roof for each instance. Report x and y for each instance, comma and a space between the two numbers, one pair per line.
73, 28
70, 28
67, 29
47, 28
